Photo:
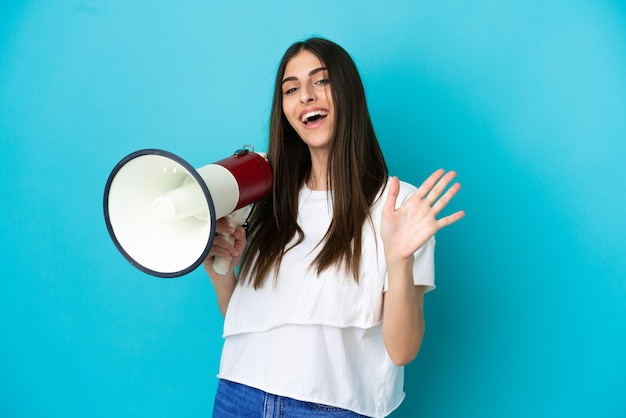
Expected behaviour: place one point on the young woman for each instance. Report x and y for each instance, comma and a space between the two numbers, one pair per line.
327, 303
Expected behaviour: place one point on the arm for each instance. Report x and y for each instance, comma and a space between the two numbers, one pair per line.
224, 285
403, 317
404, 230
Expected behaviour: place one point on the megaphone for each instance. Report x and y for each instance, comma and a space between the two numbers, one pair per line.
161, 212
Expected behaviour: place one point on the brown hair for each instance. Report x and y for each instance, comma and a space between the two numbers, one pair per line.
356, 173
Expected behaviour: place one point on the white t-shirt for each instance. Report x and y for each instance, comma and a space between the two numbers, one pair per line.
318, 338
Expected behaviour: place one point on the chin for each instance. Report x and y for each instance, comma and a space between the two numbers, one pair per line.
316, 142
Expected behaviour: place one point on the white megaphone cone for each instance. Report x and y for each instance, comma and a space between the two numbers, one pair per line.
161, 212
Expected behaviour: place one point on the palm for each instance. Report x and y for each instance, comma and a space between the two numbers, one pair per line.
406, 229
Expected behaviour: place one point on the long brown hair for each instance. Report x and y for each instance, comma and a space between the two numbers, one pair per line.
356, 173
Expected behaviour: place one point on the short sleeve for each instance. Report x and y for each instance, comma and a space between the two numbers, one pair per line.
423, 267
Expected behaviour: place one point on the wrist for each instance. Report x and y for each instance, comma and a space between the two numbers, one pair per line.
400, 274
402, 264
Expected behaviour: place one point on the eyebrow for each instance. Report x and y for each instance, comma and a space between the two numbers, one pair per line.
312, 72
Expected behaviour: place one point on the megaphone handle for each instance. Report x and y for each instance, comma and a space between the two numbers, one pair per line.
235, 219
222, 265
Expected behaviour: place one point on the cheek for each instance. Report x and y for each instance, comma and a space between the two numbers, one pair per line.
288, 112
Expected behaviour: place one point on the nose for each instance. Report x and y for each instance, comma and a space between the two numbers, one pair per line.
306, 95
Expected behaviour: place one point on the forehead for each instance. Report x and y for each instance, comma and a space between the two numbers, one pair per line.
301, 64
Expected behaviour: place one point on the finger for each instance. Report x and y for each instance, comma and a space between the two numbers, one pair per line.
450, 219
439, 187
219, 252
394, 189
240, 239
238, 233
224, 245
222, 226
443, 201
429, 183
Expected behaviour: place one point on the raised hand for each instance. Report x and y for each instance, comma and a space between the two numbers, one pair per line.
406, 229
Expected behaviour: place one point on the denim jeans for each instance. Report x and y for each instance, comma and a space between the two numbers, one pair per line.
234, 400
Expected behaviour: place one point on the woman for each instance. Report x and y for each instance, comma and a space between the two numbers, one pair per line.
326, 307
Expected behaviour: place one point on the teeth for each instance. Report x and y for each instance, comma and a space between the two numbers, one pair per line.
308, 115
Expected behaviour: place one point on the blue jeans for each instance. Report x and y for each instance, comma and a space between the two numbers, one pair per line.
234, 400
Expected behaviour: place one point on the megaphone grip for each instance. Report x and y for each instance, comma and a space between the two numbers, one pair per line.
235, 219
222, 265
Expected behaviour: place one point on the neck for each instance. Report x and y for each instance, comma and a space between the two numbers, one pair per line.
317, 179
314, 183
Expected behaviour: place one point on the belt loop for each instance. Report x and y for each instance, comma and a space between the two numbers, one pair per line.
273, 406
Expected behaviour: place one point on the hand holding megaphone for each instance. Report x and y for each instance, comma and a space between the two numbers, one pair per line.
235, 219
161, 213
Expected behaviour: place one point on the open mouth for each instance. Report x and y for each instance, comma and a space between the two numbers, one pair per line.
313, 116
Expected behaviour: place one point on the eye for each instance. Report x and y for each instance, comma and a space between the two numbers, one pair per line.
290, 90
322, 81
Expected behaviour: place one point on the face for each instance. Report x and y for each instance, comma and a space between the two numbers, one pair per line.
307, 100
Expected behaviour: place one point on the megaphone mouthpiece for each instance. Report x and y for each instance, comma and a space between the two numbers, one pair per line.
179, 203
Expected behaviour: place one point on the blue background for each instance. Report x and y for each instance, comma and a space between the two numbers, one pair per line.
525, 99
